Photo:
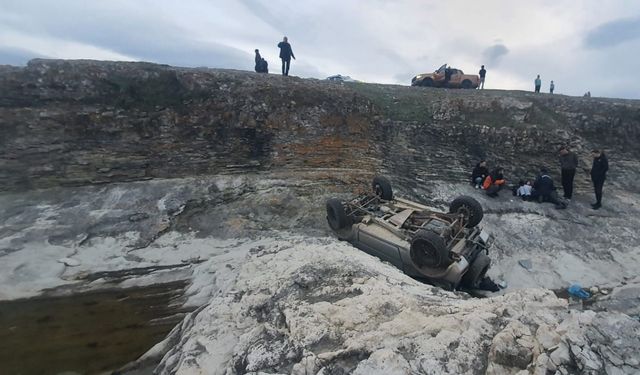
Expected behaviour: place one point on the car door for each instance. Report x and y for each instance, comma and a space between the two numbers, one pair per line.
456, 78
380, 248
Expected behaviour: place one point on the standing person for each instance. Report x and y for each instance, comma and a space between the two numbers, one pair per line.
447, 76
538, 83
568, 165
551, 87
598, 175
258, 61
482, 73
286, 53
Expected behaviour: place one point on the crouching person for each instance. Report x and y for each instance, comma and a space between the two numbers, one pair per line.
480, 172
545, 191
494, 182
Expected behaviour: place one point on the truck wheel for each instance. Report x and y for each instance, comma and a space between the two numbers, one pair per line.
427, 82
382, 188
466, 84
470, 208
336, 215
429, 250
476, 271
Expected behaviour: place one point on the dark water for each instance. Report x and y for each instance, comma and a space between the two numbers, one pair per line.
89, 333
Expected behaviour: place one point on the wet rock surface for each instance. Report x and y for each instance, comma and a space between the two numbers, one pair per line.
219, 178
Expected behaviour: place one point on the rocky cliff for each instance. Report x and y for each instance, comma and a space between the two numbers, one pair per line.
84, 122
121, 174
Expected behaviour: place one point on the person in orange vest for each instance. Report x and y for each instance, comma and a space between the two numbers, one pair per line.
494, 182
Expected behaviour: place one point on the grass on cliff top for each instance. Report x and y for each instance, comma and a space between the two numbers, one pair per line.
396, 102
405, 103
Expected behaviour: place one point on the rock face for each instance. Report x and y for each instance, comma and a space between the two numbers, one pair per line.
83, 122
325, 308
220, 178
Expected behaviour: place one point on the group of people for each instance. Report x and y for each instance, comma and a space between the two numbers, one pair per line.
286, 54
542, 189
538, 83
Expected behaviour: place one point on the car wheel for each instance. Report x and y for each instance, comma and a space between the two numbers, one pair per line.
429, 250
427, 82
336, 215
476, 271
466, 84
382, 188
470, 208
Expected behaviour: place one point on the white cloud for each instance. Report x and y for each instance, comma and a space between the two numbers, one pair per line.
57, 48
372, 40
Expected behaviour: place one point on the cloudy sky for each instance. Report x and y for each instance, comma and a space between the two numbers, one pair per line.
582, 45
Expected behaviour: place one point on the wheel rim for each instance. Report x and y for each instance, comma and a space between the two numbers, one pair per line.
430, 257
466, 211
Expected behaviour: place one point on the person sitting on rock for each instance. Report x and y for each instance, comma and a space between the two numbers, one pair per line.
545, 191
480, 172
264, 66
494, 182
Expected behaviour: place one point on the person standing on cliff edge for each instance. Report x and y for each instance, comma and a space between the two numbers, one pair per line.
482, 73
538, 83
286, 53
598, 175
258, 61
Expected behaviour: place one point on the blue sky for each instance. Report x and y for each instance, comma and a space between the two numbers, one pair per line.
581, 45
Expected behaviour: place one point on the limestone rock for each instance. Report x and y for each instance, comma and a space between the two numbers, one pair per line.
69, 262
513, 346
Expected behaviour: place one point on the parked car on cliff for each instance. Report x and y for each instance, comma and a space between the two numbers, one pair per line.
437, 79
445, 249
340, 78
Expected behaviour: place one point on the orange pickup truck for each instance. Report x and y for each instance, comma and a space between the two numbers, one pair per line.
437, 79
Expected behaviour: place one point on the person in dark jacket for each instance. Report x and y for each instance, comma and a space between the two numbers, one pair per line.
545, 191
568, 165
598, 175
447, 76
286, 53
480, 172
482, 73
263, 66
258, 61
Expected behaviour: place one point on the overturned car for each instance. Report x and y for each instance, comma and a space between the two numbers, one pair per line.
445, 249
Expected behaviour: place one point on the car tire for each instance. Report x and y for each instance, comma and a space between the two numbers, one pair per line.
382, 188
336, 215
476, 271
466, 84
429, 250
470, 208
427, 82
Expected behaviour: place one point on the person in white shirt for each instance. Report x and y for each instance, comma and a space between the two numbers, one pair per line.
524, 190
